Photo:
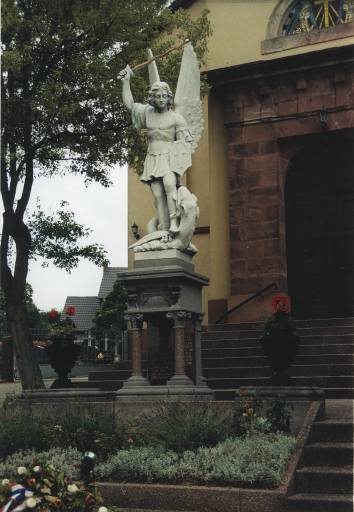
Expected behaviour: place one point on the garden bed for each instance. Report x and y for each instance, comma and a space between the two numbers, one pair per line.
199, 464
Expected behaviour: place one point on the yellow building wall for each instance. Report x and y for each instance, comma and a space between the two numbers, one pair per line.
239, 27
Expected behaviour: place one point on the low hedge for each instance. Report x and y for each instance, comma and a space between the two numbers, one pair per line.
258, 460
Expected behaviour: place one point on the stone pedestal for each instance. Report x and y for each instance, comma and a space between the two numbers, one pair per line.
165, 293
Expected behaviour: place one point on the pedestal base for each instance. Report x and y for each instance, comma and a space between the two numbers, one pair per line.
168, 392
180, 380
136, 381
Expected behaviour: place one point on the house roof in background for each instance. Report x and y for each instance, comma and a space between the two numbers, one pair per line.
181, 4
110, 275
85, 310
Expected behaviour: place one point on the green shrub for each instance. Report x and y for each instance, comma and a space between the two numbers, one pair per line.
68, 460
22, 433
249, 461
180, 426
254, 416
144, 464
258, 460
279, 415
95, 433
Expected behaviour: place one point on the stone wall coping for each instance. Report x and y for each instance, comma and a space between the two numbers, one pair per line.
285, 392
283, 43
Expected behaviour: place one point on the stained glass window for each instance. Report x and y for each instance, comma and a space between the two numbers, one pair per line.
308, 15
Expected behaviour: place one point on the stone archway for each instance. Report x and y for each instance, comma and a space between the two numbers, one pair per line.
319, 207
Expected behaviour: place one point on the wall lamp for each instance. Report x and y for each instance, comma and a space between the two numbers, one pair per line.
323, 115
135, 230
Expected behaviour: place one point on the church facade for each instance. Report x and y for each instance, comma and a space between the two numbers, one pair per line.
274, 173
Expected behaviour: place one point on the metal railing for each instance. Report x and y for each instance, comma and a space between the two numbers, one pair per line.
246, 301
110, 345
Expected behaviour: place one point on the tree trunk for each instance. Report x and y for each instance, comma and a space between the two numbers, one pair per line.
13, 286
27, 365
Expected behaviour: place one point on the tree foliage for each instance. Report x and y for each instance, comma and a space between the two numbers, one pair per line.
111, 315
57, 237
62, 113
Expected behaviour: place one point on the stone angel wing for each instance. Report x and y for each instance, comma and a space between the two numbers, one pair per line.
187, 98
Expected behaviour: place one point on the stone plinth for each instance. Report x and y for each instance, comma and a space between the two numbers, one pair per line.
165, 296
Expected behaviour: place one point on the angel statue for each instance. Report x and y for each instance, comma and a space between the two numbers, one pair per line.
173, 135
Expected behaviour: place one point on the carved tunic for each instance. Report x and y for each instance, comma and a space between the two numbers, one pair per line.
168, 136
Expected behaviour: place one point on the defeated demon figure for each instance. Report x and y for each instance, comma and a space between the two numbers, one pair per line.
188, 213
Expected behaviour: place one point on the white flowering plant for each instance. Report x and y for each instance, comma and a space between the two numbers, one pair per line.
46, 489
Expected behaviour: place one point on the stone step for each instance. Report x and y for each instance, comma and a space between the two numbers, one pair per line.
257, 332
330, 453
315, 322
257, 351
333, 430
323, 382
265, 371
257, 360
110, 375
339, 393
320, 503
326, 480
329, 339
231, 335
106, 385
236, 372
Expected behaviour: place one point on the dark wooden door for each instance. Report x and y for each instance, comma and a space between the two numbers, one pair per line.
319, 199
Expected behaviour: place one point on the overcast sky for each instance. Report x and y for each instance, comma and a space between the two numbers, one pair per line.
104, 211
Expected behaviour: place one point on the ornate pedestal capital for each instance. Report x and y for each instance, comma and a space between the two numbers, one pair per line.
135, 319
179, 318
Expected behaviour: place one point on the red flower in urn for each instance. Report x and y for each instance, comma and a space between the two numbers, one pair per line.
281, 303
53, 313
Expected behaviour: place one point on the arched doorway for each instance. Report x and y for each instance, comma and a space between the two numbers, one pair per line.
319, 206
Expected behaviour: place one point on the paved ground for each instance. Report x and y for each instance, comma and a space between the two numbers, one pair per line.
6, 388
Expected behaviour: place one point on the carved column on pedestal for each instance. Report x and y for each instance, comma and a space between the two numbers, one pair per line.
135, 331
197, 321
179, 378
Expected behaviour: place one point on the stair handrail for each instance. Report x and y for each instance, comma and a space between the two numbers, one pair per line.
246, 301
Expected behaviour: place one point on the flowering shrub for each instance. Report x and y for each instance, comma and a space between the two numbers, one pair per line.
46, 489
281, 319
61, 325
254, 416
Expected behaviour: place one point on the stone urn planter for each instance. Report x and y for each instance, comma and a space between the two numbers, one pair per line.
280, 349
62, 354
61, 349
280, 342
